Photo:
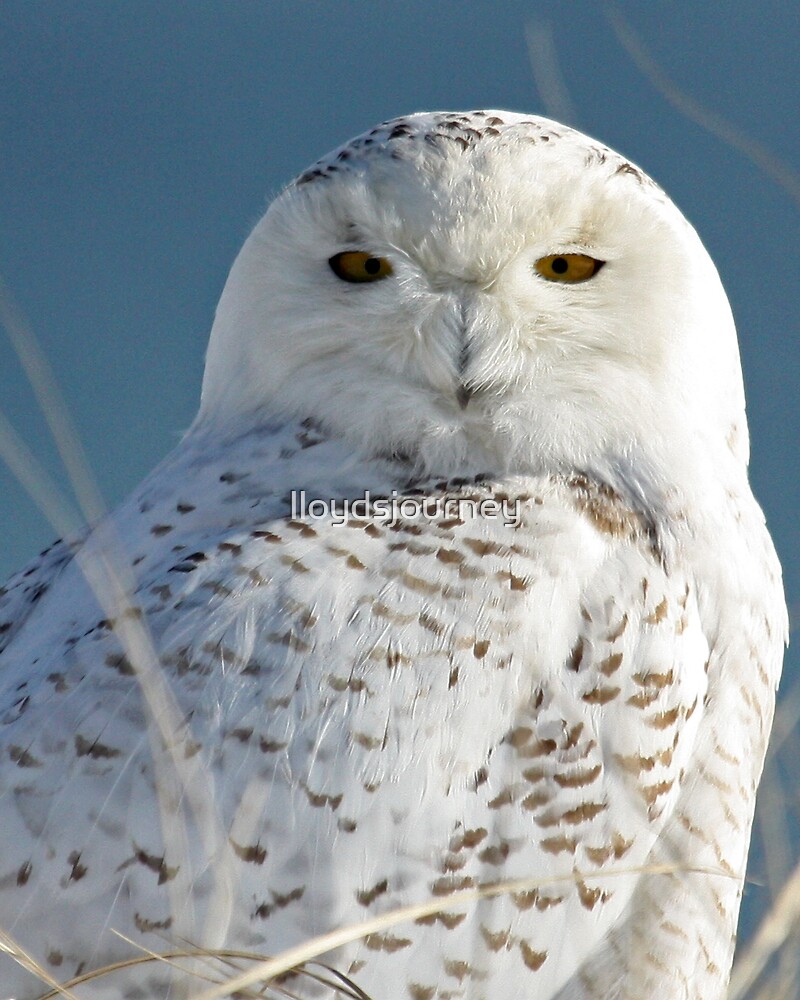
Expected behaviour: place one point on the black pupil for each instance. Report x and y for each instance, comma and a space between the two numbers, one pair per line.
559, 265
372, 265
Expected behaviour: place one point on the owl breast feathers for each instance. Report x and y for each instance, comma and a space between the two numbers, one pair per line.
455, 581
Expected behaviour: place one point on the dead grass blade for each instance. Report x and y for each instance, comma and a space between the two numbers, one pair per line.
690, 108
101, 560
333, 979
550, 83
314, 947
27, 961
776, 928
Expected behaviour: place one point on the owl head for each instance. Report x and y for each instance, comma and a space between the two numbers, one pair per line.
486, 291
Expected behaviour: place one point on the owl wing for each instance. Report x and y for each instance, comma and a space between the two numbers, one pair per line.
22, 592
677, 935
380, 714
449, 704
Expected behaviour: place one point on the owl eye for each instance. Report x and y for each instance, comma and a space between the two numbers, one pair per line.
568, 267
357, 266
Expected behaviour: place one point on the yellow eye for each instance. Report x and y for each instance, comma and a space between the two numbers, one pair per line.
568, 267
355, 265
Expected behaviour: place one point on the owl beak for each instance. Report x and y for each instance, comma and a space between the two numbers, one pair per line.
463, 391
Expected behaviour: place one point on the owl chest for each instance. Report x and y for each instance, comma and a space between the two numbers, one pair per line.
394, 650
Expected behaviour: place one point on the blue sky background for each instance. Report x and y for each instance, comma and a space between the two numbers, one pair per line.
139, 142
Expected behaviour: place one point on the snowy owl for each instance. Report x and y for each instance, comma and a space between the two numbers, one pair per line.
456, 580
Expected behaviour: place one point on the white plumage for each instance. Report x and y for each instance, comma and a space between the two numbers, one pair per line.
288, 725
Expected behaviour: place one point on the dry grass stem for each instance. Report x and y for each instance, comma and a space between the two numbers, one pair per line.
776, 928
763, 158
27, 961
314, 947
550, 83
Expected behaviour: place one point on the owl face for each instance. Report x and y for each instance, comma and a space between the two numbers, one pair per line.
482, 291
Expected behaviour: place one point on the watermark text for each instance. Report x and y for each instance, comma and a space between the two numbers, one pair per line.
390, 510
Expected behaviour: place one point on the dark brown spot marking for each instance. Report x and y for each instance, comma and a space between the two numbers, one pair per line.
618, 848
642, 700
545, 902
78, 870
514, 582
94, 749
636, 763
580, 814
536, 800
616, 633
354, 684
319, 800
290, 640
654, 680
535, 774
155, 864
429, 623
659, 614
449, 884
663, 720
579, 778
303, 529
533, 959
482, 548
369, 742
449, 556
576, 656
120, 663
462, 970
520, 736
497, 940
652, 792
448, 920
591, 897
23, 757
468, 839
242, 734
600, 695
146, 926
414, 582
386, 942
267, 536
279, 902
610, 664
295, 564
607, 511
253, 854
368, 896
233, 547
496, 854
271, 746
539, 748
